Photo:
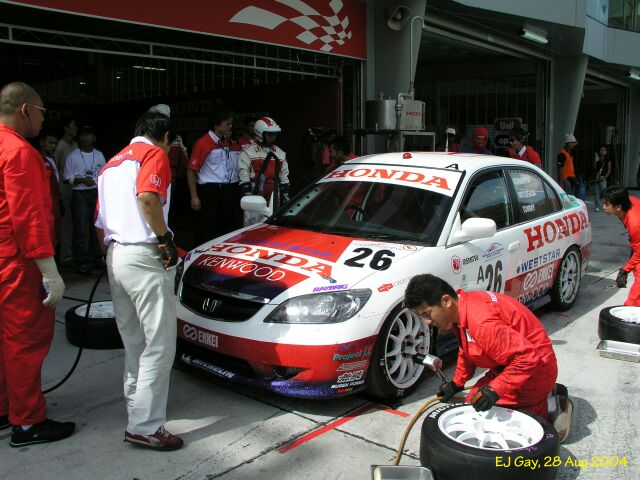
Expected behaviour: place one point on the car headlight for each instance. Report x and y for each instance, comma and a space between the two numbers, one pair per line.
331, 307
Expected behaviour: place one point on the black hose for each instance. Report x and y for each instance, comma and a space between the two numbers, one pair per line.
84, 331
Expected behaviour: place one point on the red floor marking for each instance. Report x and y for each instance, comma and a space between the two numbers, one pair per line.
333, 425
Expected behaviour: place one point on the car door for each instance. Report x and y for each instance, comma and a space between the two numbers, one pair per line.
481, 264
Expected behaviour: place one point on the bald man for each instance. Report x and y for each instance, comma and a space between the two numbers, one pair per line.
30, 285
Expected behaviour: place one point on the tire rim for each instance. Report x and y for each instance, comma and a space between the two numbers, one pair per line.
97, 310
569, 277
626, 314
408, 335
498, 429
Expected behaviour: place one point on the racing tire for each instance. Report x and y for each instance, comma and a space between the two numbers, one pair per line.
100, 332
391, 375
621, 323
457, 442
567, 282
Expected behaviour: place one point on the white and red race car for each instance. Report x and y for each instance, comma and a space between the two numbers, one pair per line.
309, 303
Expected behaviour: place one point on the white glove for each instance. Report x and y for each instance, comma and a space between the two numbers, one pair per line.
52, 280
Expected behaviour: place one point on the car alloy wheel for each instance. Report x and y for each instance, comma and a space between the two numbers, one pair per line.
567, 283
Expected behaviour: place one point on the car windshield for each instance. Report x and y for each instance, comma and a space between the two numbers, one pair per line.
385, 211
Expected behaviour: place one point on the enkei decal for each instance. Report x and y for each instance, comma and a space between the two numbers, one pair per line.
490, 276
381, 260
440, 181
536, 277
345, 367
550, 231
199, 336
495, 250
330, 288
456, 264
538, 261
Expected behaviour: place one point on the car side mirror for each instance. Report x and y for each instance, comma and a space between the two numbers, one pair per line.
474, 228
255, 204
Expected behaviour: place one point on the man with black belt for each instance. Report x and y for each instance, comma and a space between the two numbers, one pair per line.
134, 194
212, 175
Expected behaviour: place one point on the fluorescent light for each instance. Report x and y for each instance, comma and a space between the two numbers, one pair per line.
634, 75
534, 36
157, 69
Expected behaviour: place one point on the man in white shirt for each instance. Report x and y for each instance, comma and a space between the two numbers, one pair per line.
65, 146
134, 196
81, 170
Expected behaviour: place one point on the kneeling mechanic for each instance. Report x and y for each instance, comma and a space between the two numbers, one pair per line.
494, 331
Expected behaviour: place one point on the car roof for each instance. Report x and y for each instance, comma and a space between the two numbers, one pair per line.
469, 162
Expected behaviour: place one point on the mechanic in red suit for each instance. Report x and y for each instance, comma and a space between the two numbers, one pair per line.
618, 203
26, 263
494, 331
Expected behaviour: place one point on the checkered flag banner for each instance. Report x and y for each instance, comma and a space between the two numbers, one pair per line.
330, 30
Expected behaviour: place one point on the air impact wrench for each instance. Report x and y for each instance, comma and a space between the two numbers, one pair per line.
431, 361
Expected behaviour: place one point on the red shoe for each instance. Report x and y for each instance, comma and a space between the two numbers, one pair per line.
161, 440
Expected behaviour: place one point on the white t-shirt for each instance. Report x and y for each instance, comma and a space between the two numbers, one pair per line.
83, 164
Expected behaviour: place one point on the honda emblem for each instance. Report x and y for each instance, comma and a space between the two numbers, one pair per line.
210, 304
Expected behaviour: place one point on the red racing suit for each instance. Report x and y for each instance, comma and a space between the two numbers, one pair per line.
631, 222
497, 332
26, 326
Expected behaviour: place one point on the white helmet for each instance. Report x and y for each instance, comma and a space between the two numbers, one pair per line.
265, 125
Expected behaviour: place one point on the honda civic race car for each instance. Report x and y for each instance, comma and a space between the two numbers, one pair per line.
309, 303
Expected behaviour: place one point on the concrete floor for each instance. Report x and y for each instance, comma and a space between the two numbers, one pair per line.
235, 433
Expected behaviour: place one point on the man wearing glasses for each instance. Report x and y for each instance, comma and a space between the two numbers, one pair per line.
494, 331
30, 285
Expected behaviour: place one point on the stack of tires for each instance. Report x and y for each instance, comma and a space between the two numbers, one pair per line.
620, 323
459, 443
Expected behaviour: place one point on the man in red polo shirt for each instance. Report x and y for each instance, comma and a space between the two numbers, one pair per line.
26, 263
494, 331
618, 203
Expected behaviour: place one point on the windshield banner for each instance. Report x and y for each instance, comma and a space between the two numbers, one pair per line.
435, 180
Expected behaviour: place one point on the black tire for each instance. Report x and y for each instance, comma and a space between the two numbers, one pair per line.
449, 459
620, 323
383, 384
567, 283
101, 331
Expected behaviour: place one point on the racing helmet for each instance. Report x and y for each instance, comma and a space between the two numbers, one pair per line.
265, 125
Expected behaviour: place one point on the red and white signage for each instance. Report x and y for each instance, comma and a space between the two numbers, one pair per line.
330, 26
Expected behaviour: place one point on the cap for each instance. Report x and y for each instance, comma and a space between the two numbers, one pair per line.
161, 108
569, 138
450, 131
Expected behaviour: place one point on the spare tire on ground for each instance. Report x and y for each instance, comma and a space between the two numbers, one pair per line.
620, 323
459, 443
101, 331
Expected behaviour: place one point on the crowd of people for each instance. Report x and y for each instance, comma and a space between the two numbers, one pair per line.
127, 200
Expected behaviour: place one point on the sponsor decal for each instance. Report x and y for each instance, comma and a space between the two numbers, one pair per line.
200, 336
385, 287
550, 231
469, 260
364, 353
345, 385
526, 194
537, 292
443, 182
314, 252
410, 248
254, 270
356, 345
538, 261
221, 372
464, 281
330, 288
456, 264
536, 277
350, 376
528, 208
346, 367
495, 250
374, 246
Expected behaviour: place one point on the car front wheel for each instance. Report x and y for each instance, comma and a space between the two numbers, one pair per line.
393, 373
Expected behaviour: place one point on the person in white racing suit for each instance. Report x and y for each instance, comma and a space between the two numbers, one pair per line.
251, 168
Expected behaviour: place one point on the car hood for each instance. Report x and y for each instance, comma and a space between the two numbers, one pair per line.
272, 263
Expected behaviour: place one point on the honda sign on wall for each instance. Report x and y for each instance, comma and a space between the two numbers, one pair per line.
329, 26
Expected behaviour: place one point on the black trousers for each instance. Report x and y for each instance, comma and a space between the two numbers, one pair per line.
220, 211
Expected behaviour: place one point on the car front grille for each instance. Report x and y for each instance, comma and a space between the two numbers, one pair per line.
216, 306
